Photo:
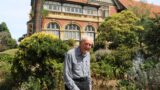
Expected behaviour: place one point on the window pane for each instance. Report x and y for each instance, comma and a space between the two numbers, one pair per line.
91, 34
89, 28
72, 8
90, 10
52, 6
53, 28
90, 31
72, 32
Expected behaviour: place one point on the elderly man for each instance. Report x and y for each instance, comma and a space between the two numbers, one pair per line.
77, 66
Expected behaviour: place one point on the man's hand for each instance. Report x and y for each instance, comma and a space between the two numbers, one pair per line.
90, 87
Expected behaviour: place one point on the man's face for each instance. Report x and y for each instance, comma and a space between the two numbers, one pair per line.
86, 46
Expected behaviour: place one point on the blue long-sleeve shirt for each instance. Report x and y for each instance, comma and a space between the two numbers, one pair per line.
76, 65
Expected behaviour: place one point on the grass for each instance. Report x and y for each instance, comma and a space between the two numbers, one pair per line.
11, 52
6, 58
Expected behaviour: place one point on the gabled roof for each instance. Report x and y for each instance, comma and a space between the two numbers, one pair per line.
132, 3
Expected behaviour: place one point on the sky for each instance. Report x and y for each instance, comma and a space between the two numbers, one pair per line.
16, 14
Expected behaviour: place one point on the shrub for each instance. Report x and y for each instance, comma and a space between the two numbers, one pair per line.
6, 58
6, 80
119, 60
126, 85
71, 42
100, 42
34, 60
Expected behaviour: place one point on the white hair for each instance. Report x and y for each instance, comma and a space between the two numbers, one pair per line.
85, 37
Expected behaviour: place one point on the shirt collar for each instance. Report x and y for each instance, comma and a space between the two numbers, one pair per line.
78, 52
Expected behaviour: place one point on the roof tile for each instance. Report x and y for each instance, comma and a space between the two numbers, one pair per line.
131, 3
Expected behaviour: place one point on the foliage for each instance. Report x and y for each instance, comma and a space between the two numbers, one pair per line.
118, 36
126, 34
126, 85
11, 52
6, 80
100, 42
146, 22
44, 13
2, 47
102, 70
119, 61
32, 83
71, 42
34, 59
6, 41
120, 29
22, 37
6, 57
4, 28
152, 38
122, 60
149, 64
144, 13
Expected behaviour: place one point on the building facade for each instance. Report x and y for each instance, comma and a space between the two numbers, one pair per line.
69, 19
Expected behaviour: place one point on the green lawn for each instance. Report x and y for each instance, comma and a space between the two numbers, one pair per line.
6, 58
10, 52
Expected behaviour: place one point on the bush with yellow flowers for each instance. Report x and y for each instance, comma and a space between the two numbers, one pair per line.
33, 66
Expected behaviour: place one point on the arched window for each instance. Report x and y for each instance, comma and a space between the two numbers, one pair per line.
90, 31
72, 31
53, 28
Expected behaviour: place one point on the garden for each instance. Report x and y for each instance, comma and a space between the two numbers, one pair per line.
125, 56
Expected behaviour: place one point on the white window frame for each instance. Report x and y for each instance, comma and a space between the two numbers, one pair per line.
72, 31
90, 31
90, 11
71, 8
52, 6
54, 28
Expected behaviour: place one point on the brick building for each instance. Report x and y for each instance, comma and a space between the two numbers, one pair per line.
70, 19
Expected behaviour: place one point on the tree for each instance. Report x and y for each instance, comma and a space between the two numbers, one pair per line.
152, 38
120, 29
143, 11
6, 41
121, 33
3, 27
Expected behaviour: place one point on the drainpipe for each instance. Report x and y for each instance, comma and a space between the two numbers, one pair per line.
38, 15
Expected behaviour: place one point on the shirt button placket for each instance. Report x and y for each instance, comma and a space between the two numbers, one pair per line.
83, 67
